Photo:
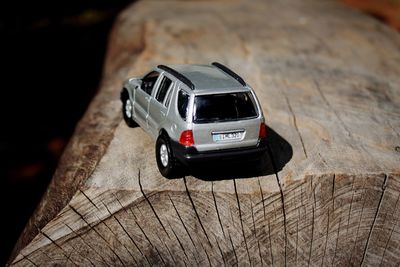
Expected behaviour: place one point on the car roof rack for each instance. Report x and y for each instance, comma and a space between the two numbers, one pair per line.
229, 72
178, 75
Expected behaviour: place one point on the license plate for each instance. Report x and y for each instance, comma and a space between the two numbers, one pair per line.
217, 137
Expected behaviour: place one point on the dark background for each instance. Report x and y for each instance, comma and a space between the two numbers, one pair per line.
51, 58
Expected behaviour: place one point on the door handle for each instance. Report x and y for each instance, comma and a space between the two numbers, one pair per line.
147, 98
162, 113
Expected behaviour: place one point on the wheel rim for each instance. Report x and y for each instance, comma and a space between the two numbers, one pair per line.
128, 108
164, 155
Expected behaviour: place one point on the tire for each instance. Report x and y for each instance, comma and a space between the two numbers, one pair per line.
127, 105
166, 161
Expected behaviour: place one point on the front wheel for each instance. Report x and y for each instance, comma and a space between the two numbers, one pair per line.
165, 160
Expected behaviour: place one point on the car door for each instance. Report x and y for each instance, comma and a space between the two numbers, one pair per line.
158, 106
143, 97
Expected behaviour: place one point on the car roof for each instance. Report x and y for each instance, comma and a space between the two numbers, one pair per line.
206, 78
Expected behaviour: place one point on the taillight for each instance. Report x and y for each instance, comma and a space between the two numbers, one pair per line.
263, 131
186, 138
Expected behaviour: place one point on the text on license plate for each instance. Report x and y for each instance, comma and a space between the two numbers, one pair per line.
227, 136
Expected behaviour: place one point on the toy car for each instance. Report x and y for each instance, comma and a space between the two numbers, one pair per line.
195, 113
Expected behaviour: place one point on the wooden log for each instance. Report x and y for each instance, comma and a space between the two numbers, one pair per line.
327, 192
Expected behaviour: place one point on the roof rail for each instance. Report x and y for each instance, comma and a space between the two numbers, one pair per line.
229, 72
178, 75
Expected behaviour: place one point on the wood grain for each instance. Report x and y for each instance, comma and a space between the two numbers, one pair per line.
327, 191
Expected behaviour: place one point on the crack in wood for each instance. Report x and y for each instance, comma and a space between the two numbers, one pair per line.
104, 223
134, 243
351, 207
47, 256
26, 258
88, 198
135, 217
35, 250
169, 251
232, 220
351, 136
57, 245
83, 256
147, 259
67, 258
94, 229
326, 240
233, 248
184, 226
270, 242
262, 196
241, 220
195, 211
295, 124
180, 244
220, 251
255, 233
127, 233
337, 241
281, 193
297, 234
301, 200
119, 202
216, 208
313, 208
148, 240
208, 257
323, 160
391, 231
312, 236
79, 235
151, 205
359, 220
331, 108
375, 217
333, 185
333, 191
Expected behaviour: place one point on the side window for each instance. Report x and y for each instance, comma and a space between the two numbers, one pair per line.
148, 81
183, 100
168, 97
163, 89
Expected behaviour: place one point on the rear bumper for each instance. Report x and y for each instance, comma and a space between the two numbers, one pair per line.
190, 155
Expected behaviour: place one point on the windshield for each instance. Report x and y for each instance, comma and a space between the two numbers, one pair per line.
224, 107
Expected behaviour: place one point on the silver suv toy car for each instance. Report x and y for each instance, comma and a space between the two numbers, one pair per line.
195, 113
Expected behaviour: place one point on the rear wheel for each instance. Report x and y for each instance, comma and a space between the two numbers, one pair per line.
127, 108
166, 162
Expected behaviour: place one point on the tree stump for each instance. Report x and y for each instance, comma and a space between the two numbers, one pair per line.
327, 192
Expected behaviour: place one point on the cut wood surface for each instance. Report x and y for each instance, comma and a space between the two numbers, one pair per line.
327, 191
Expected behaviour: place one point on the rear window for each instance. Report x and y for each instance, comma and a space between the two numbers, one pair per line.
224, 107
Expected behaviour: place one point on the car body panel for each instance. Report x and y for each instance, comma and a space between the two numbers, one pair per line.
204, 140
